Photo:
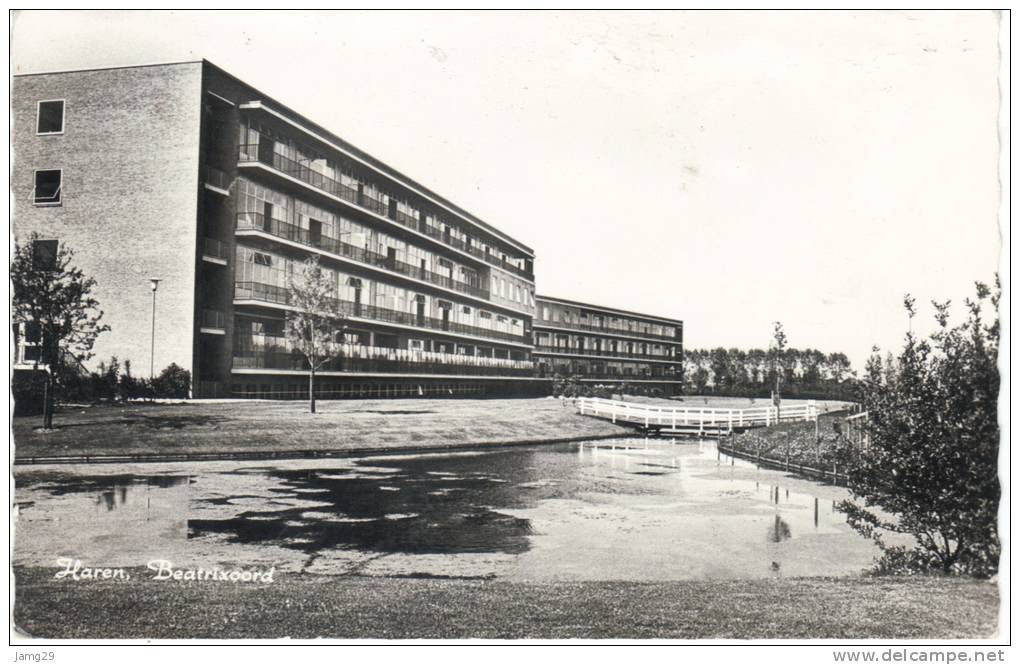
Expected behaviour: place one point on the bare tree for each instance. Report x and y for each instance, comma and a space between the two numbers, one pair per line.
315, 325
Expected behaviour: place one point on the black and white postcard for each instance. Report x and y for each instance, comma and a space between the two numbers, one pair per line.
570, 326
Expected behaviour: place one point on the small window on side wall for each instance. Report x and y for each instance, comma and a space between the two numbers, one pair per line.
47, 187
50, 119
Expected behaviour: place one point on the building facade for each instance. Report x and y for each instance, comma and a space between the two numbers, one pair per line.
185, 174
609, 346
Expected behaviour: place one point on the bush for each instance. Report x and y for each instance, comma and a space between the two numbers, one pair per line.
933, 460
904, 561
27, 388
114, 381
173, 381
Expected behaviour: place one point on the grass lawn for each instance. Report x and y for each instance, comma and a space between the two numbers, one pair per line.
307, 606
251, 425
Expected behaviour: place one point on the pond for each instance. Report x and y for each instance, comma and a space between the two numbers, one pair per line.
628, 509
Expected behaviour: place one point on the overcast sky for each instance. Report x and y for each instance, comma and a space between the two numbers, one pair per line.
728, 169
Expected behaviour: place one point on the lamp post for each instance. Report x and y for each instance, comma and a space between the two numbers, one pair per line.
154, 284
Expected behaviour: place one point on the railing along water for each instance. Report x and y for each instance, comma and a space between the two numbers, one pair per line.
661, 417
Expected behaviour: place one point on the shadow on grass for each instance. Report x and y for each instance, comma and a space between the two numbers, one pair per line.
156, 422
395, 412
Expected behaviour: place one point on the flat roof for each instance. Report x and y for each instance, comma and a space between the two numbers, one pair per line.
609, 310
101, 69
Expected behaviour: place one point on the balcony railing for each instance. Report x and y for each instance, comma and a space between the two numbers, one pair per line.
214, 318
635, 374
216, 178
409, 221
258, 222
280, 296
302, 172
358, 358
216, 249
606, 353
603, 329
376, 206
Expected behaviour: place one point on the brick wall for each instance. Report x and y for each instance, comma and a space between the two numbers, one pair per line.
129, 154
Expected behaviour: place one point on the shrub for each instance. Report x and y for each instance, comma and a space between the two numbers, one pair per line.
173, 381
933, 460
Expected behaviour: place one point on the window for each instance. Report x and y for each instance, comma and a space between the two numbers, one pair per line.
50, 118
482, 314
263, 259
467, 310
47, 187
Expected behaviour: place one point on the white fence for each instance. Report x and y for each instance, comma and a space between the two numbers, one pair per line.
665, 417
857, 431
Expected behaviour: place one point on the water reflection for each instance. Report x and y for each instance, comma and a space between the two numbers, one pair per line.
778, 531
417, 511
626, 509
116, 492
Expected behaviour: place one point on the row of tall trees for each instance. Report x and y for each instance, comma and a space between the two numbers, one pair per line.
752, 373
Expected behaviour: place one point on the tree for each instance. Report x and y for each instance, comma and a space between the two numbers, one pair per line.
776, 349
315, 325
931, 468
130, 387
55, 299
173, 381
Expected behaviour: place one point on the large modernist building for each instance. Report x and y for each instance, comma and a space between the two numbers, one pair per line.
184, 174
604, 345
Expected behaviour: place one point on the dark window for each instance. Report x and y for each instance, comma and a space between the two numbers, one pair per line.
44, 254
47, 186
51, 118
33, 332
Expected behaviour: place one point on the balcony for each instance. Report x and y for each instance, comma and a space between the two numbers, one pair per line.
254, 221
248, 153
371, 359
214, 322
606, 353
279, 296
542, 323
630, 374
216, 180
215, 251
409, 221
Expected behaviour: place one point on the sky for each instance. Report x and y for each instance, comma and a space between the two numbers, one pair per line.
729, 169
